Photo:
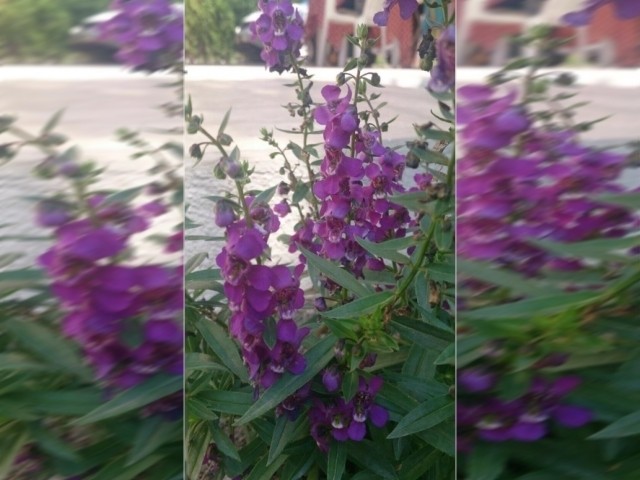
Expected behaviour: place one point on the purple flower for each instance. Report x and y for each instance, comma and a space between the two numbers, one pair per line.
625, 10
149, 33
407, 8
443, 73
280, 28
331, 379
225, 214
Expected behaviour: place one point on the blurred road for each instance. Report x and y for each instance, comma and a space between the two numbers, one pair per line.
256, 98
97, 101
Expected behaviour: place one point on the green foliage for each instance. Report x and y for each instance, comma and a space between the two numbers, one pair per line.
33, 30
209, 30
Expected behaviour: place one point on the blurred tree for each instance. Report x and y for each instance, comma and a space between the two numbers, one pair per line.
33, 30
242, 8
209, 30
78, 10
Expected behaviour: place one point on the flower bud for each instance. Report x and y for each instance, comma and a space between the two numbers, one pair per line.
224, 213
331, 379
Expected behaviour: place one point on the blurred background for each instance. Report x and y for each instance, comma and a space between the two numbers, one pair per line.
487, 29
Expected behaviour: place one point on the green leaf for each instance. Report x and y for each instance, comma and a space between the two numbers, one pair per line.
119, 469
623, 427
124, 196
336, 461
219, 341
534, 307
51, 444
447, 357
424, 416
19, 279
18, 362
600, 249
515, 282
418, 463
223, 443
383, 251
486, 462
233, 403
152, 434
350, 385
223, 124
283, 433
337, 274
359, 307
370, 457
265, 195
344, 328
52, 123
262, 471
200, 361
317, 357
194, 262
11, 444
47, 345
154, 389
426, 335
203, 279
628, 200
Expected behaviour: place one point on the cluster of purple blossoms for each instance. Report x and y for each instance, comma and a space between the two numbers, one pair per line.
149, 33
343, 420
483, 416
518, 181
358, 175
104, 298
625, 10
258, 292
281, 29
407, 9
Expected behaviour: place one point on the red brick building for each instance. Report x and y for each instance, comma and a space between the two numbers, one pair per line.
606, 41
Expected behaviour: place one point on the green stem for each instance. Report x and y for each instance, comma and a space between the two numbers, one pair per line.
305, 138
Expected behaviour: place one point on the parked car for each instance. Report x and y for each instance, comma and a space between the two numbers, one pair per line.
250, 46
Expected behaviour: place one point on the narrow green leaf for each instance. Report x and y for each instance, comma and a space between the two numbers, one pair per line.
539, 306
350, 385
53, 122
135, 398
45, 344
194, 262
623, 427
219, 341
152, 434
370, 457
383, 251
283, 433
223, 124
336, 461
627, 199
486, 462
262, 471
359, 307
223, 443
317, 357
337, 274
11, 443
19, 279
424, 416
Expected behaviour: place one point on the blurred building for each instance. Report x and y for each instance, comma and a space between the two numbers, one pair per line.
486, 29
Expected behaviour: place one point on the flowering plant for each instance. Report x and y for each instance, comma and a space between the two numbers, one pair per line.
92, 333
340, 363
547, 344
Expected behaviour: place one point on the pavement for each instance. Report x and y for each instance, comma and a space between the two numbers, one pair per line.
100, 99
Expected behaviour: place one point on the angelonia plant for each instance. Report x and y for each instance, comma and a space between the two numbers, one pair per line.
92, 334
339, 364
548, 279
